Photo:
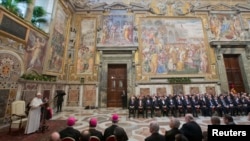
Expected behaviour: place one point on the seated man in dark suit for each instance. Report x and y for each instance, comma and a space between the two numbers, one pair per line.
180, 105
156, 106
70, 131
174, 129
93, 131
148, 106
195, 105
171, 104
163, 106
111, 129
141, 107
132, 106
191, 129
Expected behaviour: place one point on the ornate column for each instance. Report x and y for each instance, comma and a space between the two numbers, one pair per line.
133, 73
221, 69
99, 101
248, 51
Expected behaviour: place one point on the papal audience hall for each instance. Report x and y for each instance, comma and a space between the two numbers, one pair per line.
115, 53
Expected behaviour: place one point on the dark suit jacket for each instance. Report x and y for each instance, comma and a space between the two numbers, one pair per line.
70, 132
192, 131
155, 137
110, 131
170, 134
94, 132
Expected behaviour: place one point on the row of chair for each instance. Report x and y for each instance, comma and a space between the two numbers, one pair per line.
92, 138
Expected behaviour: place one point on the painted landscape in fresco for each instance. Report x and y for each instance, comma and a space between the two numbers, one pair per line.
173, 46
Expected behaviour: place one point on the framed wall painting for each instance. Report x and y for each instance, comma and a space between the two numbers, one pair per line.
89, 98
116, 30
86, 50
173, 46
225, 26
211, 90
161, 91
35, 50
194, 90
178, 89
57, 47
73, 97
144, 91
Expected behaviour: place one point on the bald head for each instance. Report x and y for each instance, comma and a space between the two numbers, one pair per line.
189, 117
55, 136
215, 120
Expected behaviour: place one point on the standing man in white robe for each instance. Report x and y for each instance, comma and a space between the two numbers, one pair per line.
33, 122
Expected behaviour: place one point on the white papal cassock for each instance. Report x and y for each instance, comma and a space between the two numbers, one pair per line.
34, 116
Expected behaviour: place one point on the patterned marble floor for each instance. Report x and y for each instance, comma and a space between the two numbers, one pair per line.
136, 128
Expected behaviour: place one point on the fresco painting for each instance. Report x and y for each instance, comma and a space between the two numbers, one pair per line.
57, 48
144, 91
225, 27
86, 50
34, 53
117, 30
173, 46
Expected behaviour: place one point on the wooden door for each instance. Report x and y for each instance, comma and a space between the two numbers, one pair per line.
233, 71
117, 82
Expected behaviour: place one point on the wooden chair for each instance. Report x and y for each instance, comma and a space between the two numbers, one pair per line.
68, 139
132, 111
111, 138
18, 118
94, 138
140, 111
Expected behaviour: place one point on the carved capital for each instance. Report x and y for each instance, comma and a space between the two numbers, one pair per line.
218, 52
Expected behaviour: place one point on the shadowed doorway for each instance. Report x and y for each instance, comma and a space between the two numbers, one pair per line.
233, 71
117, 82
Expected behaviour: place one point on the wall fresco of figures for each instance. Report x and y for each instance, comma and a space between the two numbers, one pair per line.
225, 27
34, 52
173, 46
56, 49
86, 50
117, 30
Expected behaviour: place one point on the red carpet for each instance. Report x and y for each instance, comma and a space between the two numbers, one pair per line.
54, 125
